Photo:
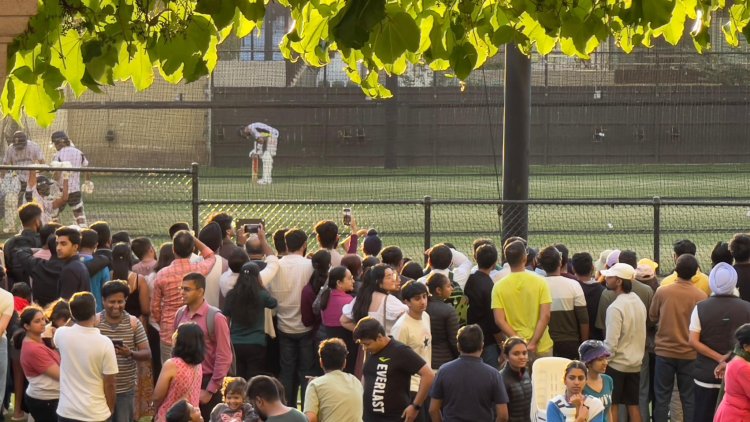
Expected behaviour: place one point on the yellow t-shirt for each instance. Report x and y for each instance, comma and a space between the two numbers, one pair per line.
521, 295
699, 280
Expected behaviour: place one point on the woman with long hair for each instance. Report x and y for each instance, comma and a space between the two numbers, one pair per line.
374, 299
516, 378
573, 404
332, 301
40, 364
181, 375
321, 263
245, 307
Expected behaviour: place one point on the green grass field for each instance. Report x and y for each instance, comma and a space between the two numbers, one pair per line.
148, 204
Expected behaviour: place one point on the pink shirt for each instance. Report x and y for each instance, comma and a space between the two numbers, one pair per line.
736, 403
218, 356
331, 315
186, 384
144, 267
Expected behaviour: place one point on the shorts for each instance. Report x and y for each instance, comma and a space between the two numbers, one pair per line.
626, 387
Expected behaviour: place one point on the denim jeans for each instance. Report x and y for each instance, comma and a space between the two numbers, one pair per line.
666, 369
491, 354
297, 355
124, 407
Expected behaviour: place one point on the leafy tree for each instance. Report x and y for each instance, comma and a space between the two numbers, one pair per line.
86, 44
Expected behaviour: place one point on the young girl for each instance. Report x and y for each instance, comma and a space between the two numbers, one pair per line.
594, 354
234, 408
573, 405
516, 379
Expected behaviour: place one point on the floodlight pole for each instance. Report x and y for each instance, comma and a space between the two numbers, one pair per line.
516, 141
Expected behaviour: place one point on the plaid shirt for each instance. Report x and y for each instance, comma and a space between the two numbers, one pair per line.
167, 297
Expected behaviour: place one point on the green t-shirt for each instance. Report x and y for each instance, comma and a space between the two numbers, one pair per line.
293, 415
521, 295
255, 333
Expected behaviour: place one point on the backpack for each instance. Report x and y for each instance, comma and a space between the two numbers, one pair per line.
211, 327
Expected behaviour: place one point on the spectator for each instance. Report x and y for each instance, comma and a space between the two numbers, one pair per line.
227, 245
441, 258
574, 404
235, 261
516, 379
21, 296
296, 341
180, 375
89, 240
245, 307
594, 354
166, 256
374, 300
58, 315
87, 392
279, 242
44, 273
321, 262
121, 237
721, 253
166, 297
712, 325
103, 254
74, 276
521, 303
353, 263
336, 396
211, 236
138, 300
583, 268
387, 375
569, 318
565, 269
234, 407
393, 256
182, 411
40, 364
332, 301
47, 231
31, 220
144, 250
646, 273
671, 308
265, 397
699, 280
412, 269
372, 244
443, 321
174, 228
131, 345
467, 388
218, 352
739, 246
327, 235
601, 263
478, 291
268, 264
737, 381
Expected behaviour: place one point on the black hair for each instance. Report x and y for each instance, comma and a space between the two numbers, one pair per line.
550, 259
412, 289
183, 244
321, 263
368, 328
21, 289
140, 246
564, 253
480, 242
372, 282
48, 230
440, 257
176, 227
279, 242
392, 255
179, 412
113, 287
332, 354
334, 276
59, 309
89, 239
684, 246
224, 221
372, 243
28, 212
237, 258
740, 247
686, 266
327, 233
742, 335
233, 385
628, 257
486, 256
583, 263
369, 262
627, 285
532, 255
515, 253
121, 237
576, 364
512, 239
105, 235
122, 261
73, 235
512, 342
721, 253
470, 339
264, 387
295, 240
198, 279
188, 343
27, 316
244, 299
166, 256
82, 306
412, 270
354, 263
434, 282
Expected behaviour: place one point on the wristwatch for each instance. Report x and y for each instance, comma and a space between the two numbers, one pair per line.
416, 406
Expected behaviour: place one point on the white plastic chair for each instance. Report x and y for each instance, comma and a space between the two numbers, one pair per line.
546, 382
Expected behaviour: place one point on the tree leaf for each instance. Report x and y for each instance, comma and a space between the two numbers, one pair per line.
69, 59
463, 59
398, 34
352, 25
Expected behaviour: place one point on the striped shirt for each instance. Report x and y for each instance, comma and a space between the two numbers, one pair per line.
76, 159
30, 154
126, 377
167, 297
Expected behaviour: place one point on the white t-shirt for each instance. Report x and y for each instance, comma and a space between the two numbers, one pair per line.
227, 282
49, 213
416, 334
85, 357
76, 159
6, 304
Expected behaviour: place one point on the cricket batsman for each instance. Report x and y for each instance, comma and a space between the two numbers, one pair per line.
266, 140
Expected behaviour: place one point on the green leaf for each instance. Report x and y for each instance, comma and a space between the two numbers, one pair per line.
352, 25
252, 10
463, 59
221, 11
398, 34
69, 59
656, 12
25, 75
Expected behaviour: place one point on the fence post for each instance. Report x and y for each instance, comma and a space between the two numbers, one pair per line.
196, 196
427, 223
657, 228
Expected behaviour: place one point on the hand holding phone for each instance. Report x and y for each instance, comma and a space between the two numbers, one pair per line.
347, 216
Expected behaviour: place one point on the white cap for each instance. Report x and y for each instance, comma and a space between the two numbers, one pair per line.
620, 270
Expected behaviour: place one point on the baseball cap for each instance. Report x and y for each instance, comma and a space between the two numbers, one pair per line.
620, 270
650, 263
59, 135
600, 263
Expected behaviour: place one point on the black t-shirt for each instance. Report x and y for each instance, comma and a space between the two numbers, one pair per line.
479, 292
743, 280
387, 380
